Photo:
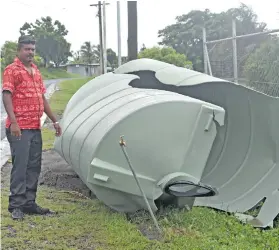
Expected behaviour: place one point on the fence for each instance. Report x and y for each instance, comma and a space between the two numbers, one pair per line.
227, 59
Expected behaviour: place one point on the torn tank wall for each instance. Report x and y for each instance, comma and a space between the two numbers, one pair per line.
243, 163
169, 137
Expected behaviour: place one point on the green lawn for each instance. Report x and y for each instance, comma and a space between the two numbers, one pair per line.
48, 136
52, 73
82, 223
67, 88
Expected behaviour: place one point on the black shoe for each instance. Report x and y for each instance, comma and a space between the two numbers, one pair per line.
35, 209
17, 214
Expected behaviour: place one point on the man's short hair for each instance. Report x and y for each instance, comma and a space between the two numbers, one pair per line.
26, 39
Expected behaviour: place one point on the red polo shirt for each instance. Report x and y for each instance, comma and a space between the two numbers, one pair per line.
27, 94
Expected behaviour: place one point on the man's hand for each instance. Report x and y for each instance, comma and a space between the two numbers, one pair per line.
15, 129
52, 117
8, 104
57, 129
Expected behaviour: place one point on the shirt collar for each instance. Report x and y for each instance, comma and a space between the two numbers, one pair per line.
20, 64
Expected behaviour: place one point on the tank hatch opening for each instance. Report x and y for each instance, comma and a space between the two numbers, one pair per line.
190, 189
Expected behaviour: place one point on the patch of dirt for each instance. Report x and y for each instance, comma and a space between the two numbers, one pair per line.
149, 232
144, 224
55, 173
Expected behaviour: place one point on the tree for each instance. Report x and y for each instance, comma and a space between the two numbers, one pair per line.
111, 55
88, 53
165, 54
76, 56
263, 64
8, 52
60, 51
143, 47
50, 39
111, 58
185, 36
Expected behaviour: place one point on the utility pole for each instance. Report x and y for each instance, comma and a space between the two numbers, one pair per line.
119, 34
105, 38
101, 37
132, 31
99, 5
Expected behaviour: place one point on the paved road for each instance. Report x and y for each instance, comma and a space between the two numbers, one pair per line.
3, 112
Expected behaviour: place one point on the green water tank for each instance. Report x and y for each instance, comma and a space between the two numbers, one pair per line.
243, 163
169, 138
188, 135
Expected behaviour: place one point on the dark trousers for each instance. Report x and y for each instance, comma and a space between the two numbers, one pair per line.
26, 160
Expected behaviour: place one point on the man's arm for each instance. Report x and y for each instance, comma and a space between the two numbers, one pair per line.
8, 104
8, 89
48, 111
51, 116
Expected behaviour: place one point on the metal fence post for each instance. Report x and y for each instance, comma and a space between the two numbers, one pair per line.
235, 73
204, 50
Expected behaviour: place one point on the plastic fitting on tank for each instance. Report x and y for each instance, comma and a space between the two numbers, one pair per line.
185, 185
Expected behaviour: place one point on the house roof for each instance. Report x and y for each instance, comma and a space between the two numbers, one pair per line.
82, 64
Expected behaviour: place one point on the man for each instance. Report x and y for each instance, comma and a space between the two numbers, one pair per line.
23, 97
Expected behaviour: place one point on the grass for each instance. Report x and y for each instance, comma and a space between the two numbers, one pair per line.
82, 223
87, 224
67, 88
48, 136
52, 73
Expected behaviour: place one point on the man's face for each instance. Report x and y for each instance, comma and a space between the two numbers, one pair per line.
26, 53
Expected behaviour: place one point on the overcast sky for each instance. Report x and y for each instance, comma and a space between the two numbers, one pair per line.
81, 21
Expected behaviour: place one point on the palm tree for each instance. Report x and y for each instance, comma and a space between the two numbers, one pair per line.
97, 52
91, 53
88, 52
76, 56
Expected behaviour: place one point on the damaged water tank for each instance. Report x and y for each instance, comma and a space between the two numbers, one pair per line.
169, 137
